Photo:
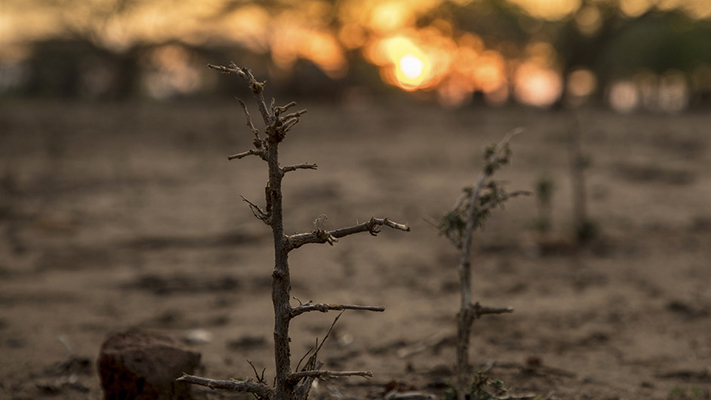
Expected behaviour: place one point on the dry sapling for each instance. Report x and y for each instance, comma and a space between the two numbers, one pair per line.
289, 384
458, 225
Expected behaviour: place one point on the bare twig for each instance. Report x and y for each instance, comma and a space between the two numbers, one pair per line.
308, 307
311, 363
255, 86
261, 390
231, 69
290, 168
278, 110
250, 125
328, 374
298, 365
250, 152
480, 310
260, 378
373, 226
512, 396
302, 389
257, 211
409, 395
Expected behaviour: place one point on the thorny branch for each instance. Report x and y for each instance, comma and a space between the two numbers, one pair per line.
308, 307
257, 139
290, 168
373, 226
255, 86
250, 152
288, 385
276, 125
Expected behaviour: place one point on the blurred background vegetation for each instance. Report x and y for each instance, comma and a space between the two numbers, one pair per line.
630, 55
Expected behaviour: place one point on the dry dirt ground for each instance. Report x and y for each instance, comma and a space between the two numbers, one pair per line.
129, 216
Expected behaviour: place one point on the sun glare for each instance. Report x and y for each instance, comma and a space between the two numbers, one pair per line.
403, 63
411, 67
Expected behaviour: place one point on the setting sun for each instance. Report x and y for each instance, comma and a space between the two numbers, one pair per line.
410, 70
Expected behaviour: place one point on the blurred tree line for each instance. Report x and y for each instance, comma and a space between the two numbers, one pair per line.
597, 37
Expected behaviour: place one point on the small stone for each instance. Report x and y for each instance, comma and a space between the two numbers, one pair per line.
137, 365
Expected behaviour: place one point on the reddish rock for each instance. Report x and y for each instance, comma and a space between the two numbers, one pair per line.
139, 365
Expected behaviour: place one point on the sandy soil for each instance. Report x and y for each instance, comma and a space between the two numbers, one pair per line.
129, 216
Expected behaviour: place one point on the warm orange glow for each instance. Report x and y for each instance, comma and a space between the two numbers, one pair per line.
248, 26
352, 36
698, 9
25, 25
391, 16
634, 8
451, 93
323, 49
536, 85
413, 42
429, 58
581, 83
410, 70
588, 20
498, 97
548, 9
489, 72
293, 38
172, 72
404, 62
390, 50
541, 53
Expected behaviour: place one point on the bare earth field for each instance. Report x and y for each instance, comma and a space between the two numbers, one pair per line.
129, 216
